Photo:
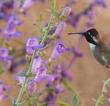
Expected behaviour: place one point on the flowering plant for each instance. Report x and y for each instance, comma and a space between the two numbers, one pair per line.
43, 77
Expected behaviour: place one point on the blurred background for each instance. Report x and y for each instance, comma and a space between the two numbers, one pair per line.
88, 74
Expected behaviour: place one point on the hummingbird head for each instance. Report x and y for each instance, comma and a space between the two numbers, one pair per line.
91, 35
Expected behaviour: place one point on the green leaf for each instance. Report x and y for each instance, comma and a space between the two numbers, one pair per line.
75, 100
43, 104
2, 68
23, 74
62, 103
14, 103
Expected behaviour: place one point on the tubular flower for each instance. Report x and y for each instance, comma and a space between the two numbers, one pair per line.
10, 30
3, 88
66, 11
60, 28
59, 49
27, 4
4, 54
31, 45
100, 2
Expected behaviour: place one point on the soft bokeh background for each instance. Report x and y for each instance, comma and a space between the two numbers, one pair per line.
88, 74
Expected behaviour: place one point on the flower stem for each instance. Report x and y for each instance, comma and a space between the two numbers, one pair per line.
37, 51
100, 98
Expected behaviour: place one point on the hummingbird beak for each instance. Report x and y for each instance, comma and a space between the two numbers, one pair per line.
81, 33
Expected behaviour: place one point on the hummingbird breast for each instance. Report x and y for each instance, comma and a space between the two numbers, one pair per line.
102, 55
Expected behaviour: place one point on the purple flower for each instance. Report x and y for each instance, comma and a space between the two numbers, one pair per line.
21, 79
2, 15
2, 89
60, 28
91, 14
31, 45
36, 63
50, 97
4, 54
42, 75
76, 52
5, 58
52, 77
27, 4
31, 82
31, 85
73, 19
15, 20
39, 69
8, 63
100, 2
5, 5
66, 11
89, 23
2, 96
59, 87
62, 71
59, 49
52, 30
10, 30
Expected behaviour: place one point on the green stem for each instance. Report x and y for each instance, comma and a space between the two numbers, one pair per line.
72, 90
24, 85
101, 95
22, 90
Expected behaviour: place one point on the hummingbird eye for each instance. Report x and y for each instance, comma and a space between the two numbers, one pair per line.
91, 36
92, 32
89, 33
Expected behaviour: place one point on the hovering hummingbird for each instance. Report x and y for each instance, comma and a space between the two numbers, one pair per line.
99, 47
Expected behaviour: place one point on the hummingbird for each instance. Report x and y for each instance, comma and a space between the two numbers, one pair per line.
100, 48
